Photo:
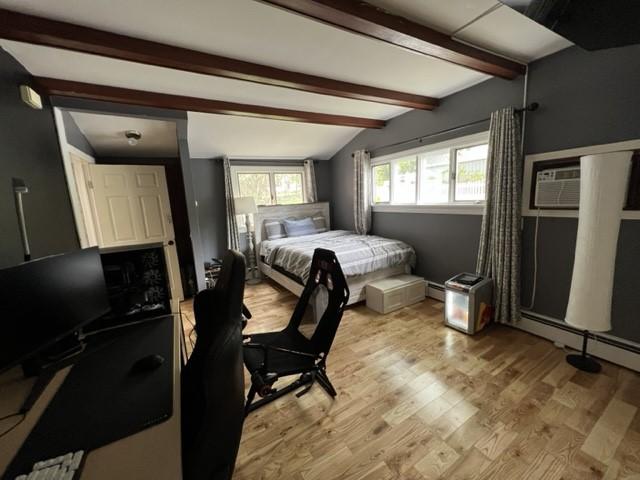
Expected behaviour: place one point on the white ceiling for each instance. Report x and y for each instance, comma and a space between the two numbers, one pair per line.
250, 30
105, 133
213, 135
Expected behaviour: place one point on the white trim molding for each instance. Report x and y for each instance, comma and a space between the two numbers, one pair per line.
435, 290
572, 152
607, 347
444, 208
66, 149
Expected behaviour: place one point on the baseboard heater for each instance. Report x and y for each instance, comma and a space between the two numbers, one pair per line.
606, 347
592, 336
435, 290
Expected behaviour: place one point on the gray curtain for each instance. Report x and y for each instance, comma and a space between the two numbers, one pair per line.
310, 188
361, 192
233, 239
499, 251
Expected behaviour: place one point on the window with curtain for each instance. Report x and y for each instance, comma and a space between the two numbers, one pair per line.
449, 173
269, 185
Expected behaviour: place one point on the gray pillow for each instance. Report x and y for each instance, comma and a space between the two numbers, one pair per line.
274, 229
298, 228
320, 222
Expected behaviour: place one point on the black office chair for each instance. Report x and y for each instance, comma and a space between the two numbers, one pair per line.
270, 356
213, 378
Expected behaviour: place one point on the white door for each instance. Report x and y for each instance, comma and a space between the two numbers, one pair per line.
131, 207
86, 228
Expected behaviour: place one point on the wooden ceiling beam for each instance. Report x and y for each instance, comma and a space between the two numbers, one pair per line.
66, 88
51, 33
365, 19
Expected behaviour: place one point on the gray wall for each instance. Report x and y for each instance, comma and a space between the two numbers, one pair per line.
445, 244
208, 184
29, 149
470, 105
586, 98
74, 136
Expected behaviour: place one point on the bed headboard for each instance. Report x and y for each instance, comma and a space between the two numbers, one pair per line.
278, 212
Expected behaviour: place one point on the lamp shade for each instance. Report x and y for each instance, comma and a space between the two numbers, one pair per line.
245, 205
603, 182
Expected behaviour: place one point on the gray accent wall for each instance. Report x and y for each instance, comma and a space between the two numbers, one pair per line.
208, 184
470, 105
75, 136
29, 149
445, 244
586, 98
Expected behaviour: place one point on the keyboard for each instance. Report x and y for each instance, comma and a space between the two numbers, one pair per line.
64, 467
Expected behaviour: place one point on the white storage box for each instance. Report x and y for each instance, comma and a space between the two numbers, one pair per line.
392, 293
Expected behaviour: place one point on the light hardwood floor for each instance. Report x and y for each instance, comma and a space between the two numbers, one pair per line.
417, 400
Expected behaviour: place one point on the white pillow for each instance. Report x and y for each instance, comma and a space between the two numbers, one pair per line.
299, 228
274, 229
320, 222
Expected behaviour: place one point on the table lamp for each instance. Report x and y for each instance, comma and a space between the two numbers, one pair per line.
247, 206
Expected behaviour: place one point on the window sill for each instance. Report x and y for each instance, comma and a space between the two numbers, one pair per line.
446, 209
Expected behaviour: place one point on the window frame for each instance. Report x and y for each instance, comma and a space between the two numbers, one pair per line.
373, 187
271, 170
452, 205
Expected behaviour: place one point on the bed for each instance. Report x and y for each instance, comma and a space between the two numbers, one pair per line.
364, 258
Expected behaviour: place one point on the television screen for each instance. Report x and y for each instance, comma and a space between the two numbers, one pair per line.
45, 300
590, 24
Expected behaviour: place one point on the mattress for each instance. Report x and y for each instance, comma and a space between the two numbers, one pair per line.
357, 254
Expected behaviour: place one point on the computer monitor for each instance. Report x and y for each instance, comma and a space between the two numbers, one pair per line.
45, 300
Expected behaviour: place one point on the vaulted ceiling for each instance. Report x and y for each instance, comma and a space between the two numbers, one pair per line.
268, 35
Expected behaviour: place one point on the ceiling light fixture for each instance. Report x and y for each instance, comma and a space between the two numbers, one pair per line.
133, 137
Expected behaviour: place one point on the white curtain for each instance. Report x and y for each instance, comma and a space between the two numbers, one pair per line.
310, 188
500, 249
233, 239
361, 192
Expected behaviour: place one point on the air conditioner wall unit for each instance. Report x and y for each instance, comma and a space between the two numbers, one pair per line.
558, 188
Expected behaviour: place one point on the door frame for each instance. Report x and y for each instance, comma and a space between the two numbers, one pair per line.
85, 238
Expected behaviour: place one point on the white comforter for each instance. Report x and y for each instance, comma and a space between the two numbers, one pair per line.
357, 254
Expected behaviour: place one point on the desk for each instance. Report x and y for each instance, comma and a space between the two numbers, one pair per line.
153, 453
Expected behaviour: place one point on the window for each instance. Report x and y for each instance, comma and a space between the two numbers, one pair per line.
471, 166
434, 177
404, 180
256, 185
445, 174
269, 185
381, 183
288, 188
